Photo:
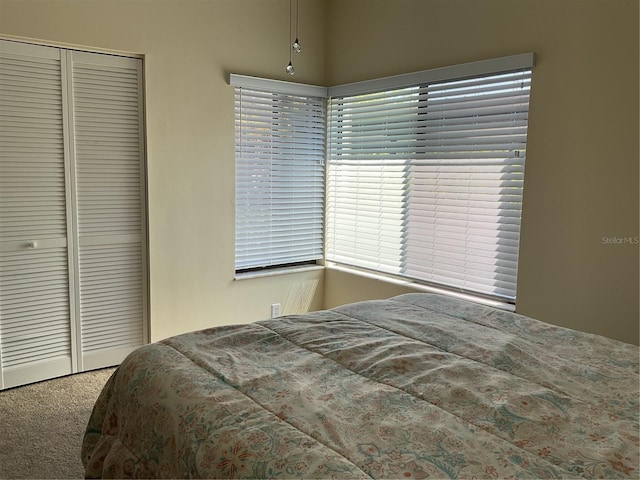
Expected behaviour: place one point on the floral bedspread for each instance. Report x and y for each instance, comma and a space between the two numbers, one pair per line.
418, 386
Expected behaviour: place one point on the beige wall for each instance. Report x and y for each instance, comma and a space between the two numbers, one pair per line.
582, 165
581, 180
190, 46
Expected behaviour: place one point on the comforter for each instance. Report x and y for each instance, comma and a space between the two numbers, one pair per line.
417, 386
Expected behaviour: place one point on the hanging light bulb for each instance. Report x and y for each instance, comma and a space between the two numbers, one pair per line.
296, 45
290, 70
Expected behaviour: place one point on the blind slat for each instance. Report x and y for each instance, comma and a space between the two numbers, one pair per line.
425, 181
280, 147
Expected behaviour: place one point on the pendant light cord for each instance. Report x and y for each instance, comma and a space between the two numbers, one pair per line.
295, 46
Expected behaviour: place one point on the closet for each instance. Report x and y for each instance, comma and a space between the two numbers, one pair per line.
73, 232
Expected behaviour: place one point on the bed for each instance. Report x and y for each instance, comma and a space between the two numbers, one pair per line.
417, 386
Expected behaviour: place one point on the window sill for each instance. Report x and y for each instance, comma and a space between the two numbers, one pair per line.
278, 271
420, 287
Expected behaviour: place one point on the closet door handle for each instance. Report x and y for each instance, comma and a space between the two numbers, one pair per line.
32, 244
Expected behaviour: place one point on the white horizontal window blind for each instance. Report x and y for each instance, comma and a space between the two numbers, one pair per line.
280, 149
425, 180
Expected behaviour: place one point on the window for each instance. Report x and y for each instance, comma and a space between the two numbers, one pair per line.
425, 175
280, 150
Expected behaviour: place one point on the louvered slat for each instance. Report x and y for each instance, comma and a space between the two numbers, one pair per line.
108, 162
111, 289
35, 329
32, 153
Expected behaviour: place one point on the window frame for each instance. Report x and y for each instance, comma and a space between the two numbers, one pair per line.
449, 73
267, 139
362, 91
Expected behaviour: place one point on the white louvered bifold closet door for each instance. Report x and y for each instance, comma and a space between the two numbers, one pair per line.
109, 141
35, 317
73, 269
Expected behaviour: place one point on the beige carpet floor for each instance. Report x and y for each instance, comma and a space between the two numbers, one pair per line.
42, 425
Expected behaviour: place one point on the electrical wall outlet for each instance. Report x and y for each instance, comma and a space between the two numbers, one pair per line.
275, 310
